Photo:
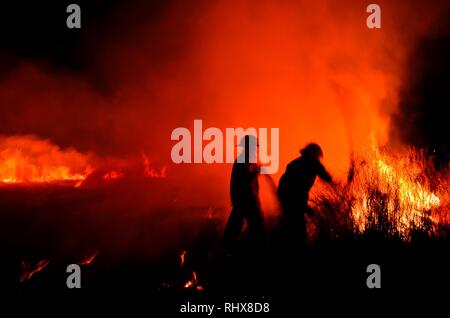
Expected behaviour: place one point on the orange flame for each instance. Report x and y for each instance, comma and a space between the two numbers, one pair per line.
193, 283
28, 272
27, 159
404, 183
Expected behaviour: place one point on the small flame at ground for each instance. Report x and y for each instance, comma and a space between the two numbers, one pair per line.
111, 175
88, 260
151, 172
28, 272
182, 257
193, 283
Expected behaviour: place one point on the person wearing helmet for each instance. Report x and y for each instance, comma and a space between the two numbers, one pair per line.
294, 187
244, 190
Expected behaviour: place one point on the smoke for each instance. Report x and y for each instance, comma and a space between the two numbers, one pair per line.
314, 70
110, 94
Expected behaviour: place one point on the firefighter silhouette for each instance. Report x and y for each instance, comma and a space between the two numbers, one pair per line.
244, 190
294, 187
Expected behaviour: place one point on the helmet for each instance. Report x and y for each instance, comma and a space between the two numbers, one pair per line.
312, 150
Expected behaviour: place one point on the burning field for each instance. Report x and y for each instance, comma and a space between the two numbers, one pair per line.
394, 196
86, 175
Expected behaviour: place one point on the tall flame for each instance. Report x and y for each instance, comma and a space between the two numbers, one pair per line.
396, 185
394, 194
193, 283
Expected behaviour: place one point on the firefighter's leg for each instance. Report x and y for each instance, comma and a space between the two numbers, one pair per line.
234, 226
256, 226
295, 226
302, 224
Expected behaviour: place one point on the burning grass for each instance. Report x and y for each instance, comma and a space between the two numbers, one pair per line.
389, 196
29, 160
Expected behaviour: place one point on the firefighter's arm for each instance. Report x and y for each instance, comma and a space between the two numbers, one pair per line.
324, 174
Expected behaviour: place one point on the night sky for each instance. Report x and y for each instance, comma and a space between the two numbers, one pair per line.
425, 96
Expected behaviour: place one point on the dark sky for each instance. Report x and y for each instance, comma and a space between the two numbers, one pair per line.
36, 31
422, 119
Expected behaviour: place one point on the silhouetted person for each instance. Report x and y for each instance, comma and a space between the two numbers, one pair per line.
294, 187
244, 190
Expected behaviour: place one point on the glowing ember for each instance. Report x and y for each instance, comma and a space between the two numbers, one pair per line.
182, 256
151, 172
210, 213
88, 260
111, 175
28, 272
193, 283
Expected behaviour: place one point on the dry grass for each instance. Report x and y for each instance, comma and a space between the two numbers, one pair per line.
387, 197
